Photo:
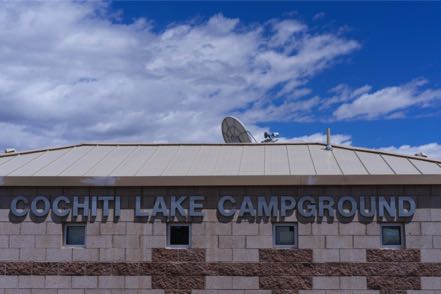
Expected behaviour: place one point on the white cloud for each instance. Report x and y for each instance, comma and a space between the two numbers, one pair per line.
389, 102
69, 73
432, 150
338, 139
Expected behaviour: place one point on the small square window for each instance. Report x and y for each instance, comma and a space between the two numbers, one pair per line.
179, 235
75, 235
285, 235
392, 236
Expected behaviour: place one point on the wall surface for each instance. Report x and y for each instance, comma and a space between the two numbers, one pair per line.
129, 255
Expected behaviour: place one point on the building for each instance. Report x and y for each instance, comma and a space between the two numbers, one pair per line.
209, 218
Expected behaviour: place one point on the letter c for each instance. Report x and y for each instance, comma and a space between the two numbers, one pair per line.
221, 206
16, 211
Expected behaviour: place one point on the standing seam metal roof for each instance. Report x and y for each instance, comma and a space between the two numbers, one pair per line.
210, 160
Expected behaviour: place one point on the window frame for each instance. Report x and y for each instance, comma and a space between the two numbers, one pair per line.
169, 225
296, 235
402, 236
65, 226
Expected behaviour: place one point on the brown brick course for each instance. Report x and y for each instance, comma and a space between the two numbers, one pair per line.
392, 255
285, 282
173, 271
182, 255
393, 283
178, 282
285, 255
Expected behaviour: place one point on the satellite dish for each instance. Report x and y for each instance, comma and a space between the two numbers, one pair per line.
234, 131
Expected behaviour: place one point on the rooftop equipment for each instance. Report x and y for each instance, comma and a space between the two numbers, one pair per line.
328, 139
234, 131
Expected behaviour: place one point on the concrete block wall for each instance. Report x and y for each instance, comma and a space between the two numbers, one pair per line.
233, 256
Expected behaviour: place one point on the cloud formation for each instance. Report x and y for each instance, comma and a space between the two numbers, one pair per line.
70, 73
389, 102
432, 150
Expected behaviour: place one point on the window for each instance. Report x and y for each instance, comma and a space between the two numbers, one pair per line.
285, 235
392, 236
179, 235
74, 235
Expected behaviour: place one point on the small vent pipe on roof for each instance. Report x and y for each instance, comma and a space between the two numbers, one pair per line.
328, 139
9, 150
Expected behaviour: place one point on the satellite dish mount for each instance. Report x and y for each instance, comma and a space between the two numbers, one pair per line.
234, 131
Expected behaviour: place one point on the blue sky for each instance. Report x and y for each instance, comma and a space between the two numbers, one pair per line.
169, 71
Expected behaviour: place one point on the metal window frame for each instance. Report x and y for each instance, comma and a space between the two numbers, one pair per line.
169, 225
65, 226
296, 235
402, 235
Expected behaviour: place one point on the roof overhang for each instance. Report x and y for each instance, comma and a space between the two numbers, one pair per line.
186, 181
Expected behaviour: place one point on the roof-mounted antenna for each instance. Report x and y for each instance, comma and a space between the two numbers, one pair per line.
234, 131
328, 139
270, 137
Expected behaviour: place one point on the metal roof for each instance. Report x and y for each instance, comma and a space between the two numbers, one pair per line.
213, 164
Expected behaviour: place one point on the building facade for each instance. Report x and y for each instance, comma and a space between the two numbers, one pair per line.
276, 218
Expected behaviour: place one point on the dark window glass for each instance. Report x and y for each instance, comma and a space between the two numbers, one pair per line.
285, 235
75, 235
179, 235
391, 235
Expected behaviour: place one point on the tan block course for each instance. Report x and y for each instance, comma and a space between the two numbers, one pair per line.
351, 283
112, 254
32, 254
259, 241
9, 254
128, 241
245, 255
4, 241
110, 228
48, 241
326, 283
418, 242
231, 241
312, 242
430, 255
339, 242
218, 282
222, 255
352, 228
153, 241
111, 282
215, 228
84, 282
99, 242
31, 282
138, 282
245, 229
324, 229
7, 228
352, 255
431, 283
366, 241
431, 228
201, 241
138, 255
63, 254
21, 241
58, 282
326, 255
83, 254
29, 228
